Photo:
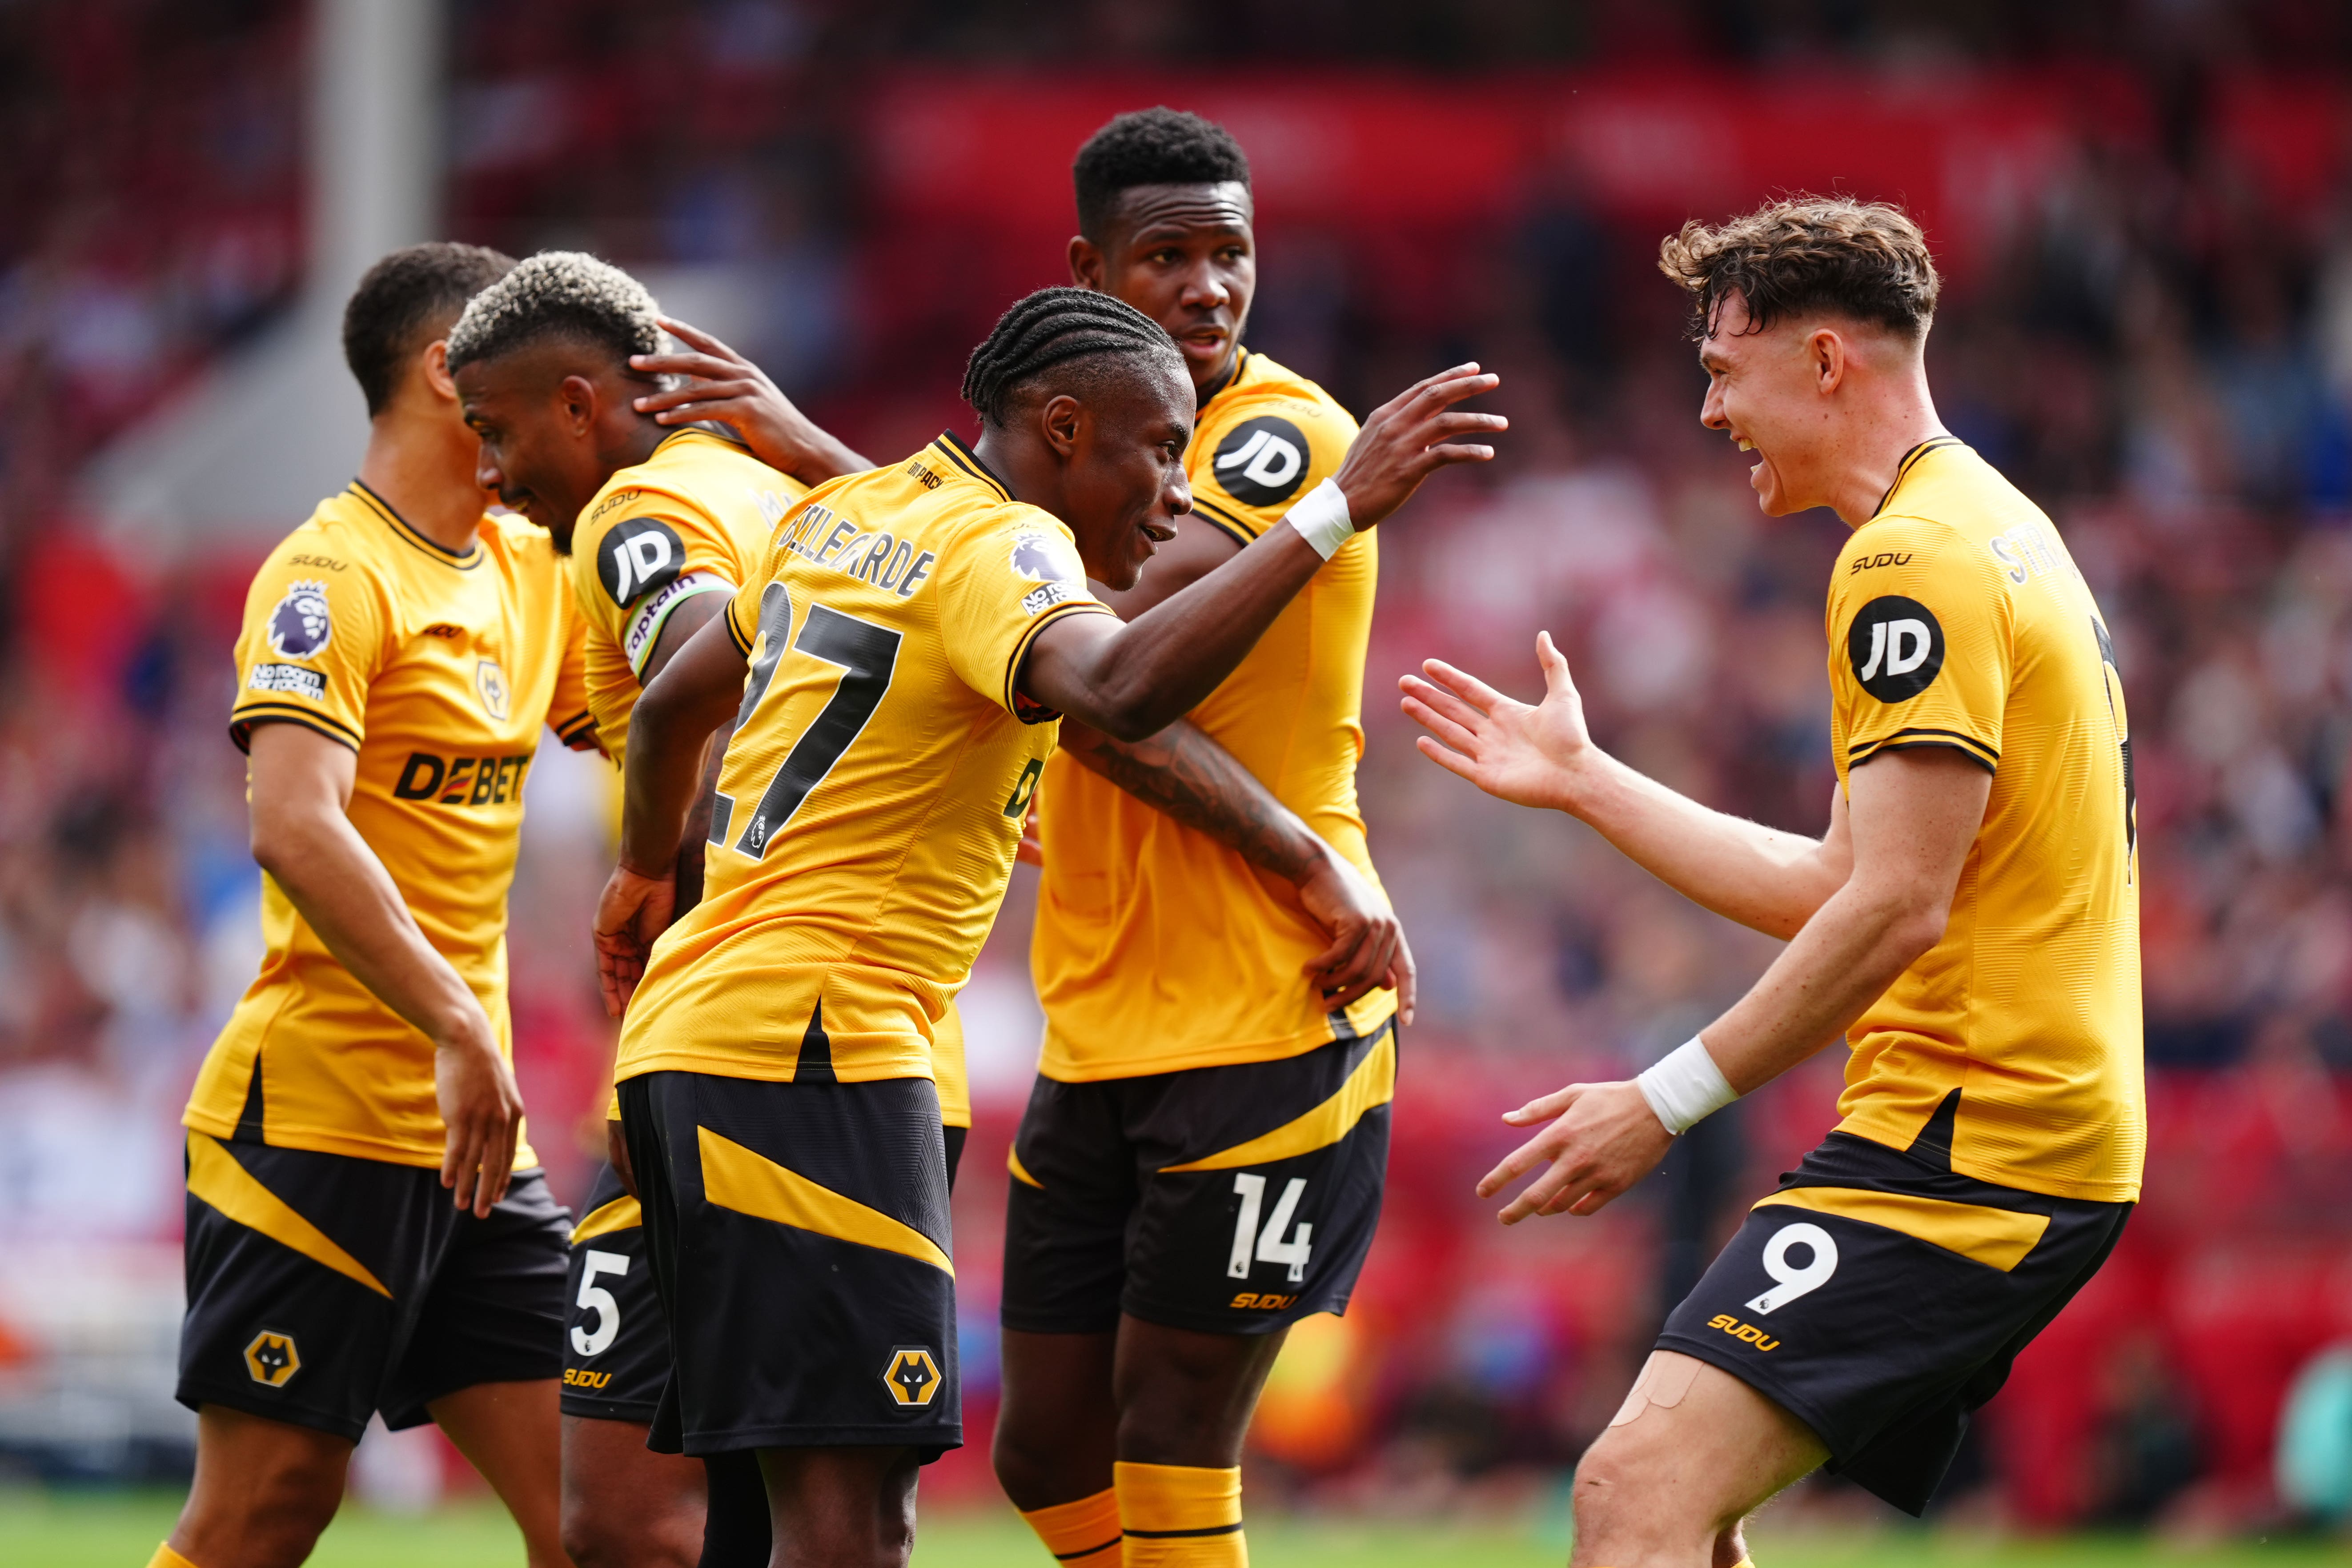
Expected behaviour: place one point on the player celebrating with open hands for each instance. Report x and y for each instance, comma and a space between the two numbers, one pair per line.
1970, 922
897, 671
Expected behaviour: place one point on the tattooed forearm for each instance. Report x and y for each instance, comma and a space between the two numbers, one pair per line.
1182, 773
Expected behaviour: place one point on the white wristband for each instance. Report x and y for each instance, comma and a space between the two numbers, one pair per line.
1686, 1087
1321, 518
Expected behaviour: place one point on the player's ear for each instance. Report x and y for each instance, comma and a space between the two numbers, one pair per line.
1826, 348
437, 370
577, 397
1085, 262
1062, 419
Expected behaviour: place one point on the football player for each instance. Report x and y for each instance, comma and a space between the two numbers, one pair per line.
367, 1229
897, 672
659, 524
1201, 1159
1969, 925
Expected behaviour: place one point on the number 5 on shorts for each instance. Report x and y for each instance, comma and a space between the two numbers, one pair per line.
1795, 1282
597, 1298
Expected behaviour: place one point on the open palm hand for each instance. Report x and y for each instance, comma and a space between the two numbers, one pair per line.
1517, 751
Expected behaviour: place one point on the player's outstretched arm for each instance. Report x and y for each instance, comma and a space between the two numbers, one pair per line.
1542, 755
697, 692
303, 837
1915, 818
723, 385
1182, 773
1134, 680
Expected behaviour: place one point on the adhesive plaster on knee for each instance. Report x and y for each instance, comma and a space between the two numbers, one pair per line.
1663, 1383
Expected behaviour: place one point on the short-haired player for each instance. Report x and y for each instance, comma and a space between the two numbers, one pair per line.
1217, 964
659, 524
402, 651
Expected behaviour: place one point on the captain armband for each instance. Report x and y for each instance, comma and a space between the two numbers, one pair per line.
1686, 1087
1321, 518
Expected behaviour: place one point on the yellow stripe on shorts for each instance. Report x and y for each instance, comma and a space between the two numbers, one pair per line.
734, 1177
621, 1213
1372, 1083
215, 1176
1998, 1238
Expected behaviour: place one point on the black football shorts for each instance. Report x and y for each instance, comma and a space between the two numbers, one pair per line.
322, 1288
1231, 1200
1880, 1298
799, 1239
616, 1343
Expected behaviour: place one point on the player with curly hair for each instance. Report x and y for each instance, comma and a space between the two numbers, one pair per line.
1968, 925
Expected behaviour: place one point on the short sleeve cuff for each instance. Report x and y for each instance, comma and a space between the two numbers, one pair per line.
248, 716
1021, 706
1980, 752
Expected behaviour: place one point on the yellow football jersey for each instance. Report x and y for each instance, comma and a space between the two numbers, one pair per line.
439, 670
692, 518
873, 794
1156, 948
1957, 618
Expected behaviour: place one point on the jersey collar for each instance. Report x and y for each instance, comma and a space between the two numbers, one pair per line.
1910, 461
707, 427
465, 560
964, 457
1233, 378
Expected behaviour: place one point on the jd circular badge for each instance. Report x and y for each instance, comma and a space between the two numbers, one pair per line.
636, 556
1896, 647
1261, 461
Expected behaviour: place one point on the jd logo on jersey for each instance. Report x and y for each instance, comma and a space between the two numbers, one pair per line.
637, 556
300, 626
272, 1358
490, 682
1898, 647
912, 1377
1261, 460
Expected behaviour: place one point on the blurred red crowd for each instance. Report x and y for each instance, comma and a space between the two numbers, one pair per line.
2149, 327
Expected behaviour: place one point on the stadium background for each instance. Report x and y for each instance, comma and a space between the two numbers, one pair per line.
2144, 211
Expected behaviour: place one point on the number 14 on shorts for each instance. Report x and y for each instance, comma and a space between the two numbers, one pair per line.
1251, 1243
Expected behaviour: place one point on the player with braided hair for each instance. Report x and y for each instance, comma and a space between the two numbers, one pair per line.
896, 673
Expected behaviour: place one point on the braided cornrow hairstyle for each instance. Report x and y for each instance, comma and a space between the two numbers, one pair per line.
1056, 327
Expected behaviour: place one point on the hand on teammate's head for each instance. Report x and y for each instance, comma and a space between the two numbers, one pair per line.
711, 382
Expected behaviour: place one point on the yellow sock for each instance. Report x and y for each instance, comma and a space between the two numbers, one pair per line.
1084, 1533
1176, 1516
166, 1558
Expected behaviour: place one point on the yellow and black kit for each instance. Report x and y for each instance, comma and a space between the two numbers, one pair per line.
322, 1289
1230, 1200
1993, 1125
440, 670
778, 1059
